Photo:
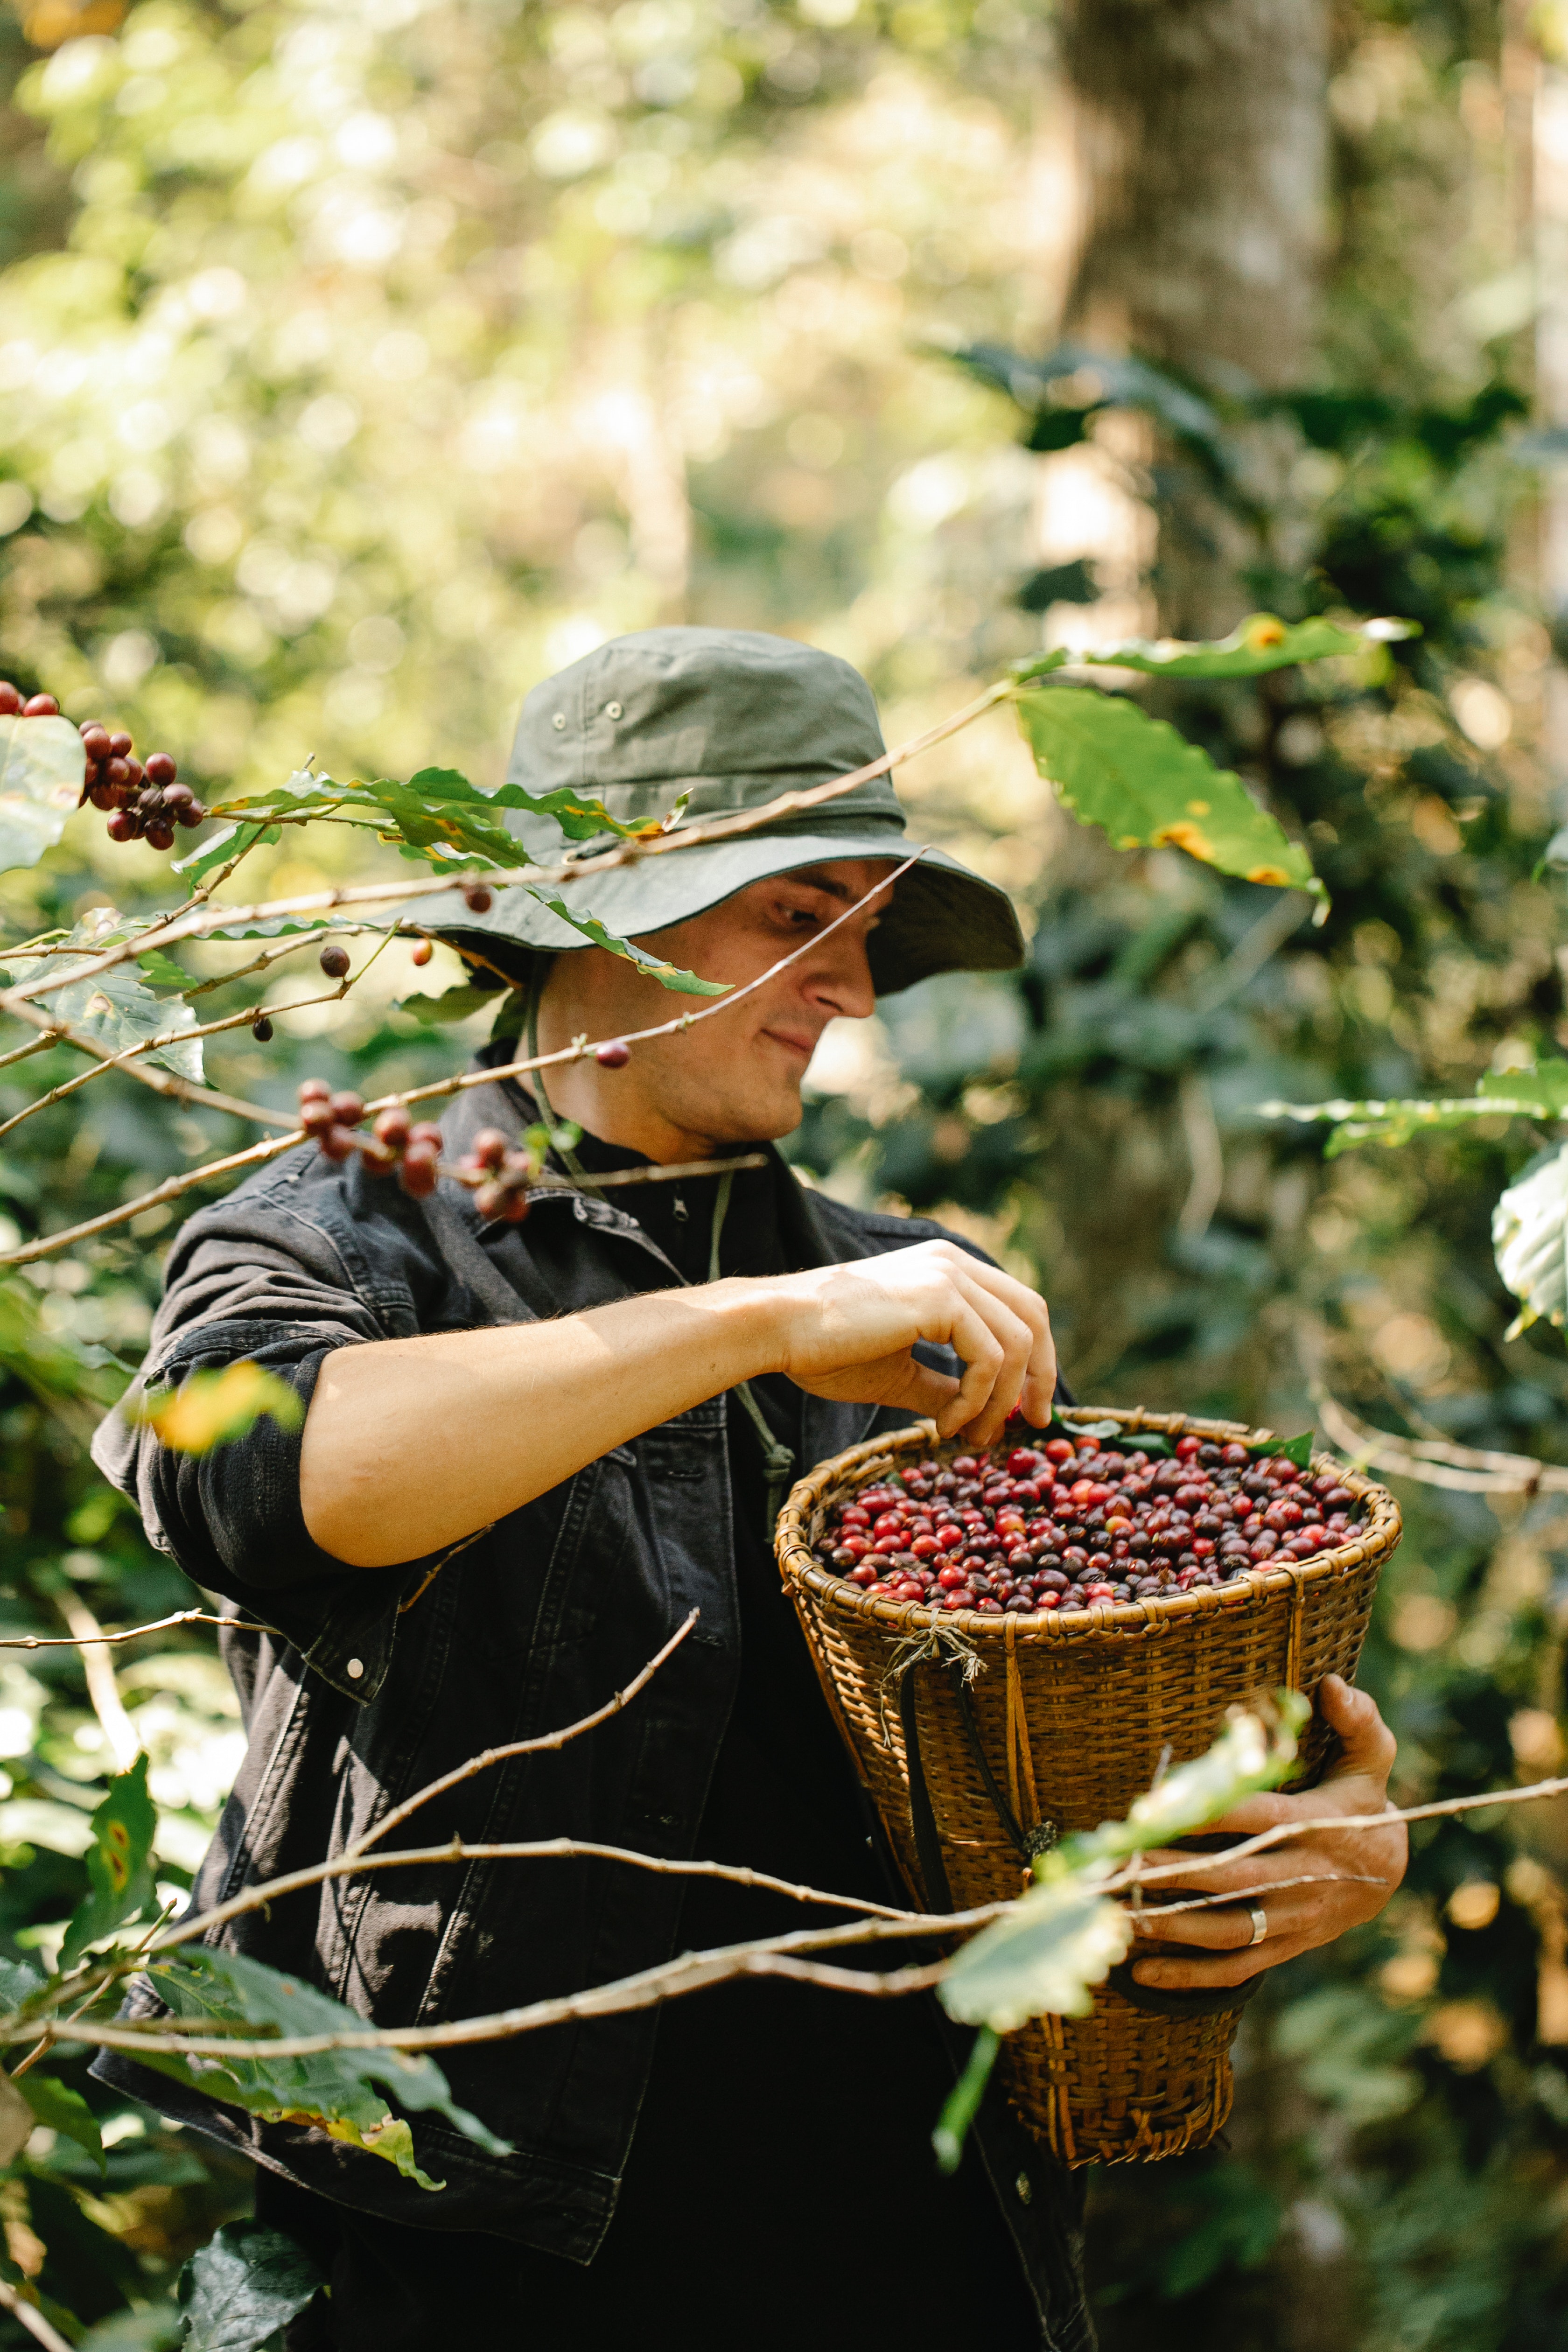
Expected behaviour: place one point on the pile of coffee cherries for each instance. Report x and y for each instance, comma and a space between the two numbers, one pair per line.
1068, 1523
497, 1173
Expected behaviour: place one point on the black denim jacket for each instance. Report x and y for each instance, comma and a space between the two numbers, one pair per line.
379, 1680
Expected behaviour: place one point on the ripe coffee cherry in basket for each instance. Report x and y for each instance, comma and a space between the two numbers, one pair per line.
1075, 1522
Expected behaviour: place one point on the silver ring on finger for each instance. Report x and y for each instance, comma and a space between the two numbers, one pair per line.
1259, 1918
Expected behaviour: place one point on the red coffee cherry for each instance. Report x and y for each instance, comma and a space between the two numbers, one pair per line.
40, 705
160, 769
422, 953
10, 699
348, 1109
614, 1054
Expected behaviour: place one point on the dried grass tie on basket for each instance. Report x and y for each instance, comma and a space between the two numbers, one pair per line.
981, 1738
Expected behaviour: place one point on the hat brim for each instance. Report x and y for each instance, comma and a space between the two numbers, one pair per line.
942, 918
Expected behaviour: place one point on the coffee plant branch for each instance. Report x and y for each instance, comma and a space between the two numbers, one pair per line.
134, 1632
1435, 1463
47, 1244
31, 2318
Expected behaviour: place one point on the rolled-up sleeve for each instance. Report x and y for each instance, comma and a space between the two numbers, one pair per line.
231, 1519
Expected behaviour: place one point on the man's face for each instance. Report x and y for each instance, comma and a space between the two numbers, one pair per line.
735, 1078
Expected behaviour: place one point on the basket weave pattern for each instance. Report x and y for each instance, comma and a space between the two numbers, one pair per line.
1073, 1710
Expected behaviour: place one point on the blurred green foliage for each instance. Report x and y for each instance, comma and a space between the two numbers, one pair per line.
367, 362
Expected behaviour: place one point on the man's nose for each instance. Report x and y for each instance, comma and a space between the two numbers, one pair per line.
840, 982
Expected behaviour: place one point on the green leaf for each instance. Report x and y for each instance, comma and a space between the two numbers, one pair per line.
211, 1408
437, 812
962, 2100
242, 2286
229, 840
42, 766
53, 1364
1116, 767
669, 975
19, 1984
1530, 1238
64, 2110
1045, 1954
1509, 1094
1258, 644
1254, 1751
1298, 1450
456, 1004
119, 1872
116, 1007
336, 2089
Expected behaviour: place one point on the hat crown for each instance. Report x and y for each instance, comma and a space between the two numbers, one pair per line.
734, 717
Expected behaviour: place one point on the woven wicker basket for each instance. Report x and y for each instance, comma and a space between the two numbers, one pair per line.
1064, 1725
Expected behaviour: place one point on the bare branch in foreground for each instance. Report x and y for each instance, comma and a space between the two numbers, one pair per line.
1467, 1469
134, 1632
27, 2313
101, 1688
688, 1972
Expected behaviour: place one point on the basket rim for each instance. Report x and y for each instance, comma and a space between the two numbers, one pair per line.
798, 1567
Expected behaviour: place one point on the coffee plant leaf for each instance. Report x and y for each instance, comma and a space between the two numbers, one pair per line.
1148, 788
437, 812
229, 841
1298, 1450
19, 1984
1530, 1239
668, 975
211, 1408
458, 1003
117, 1008
1045, 1955
1260, 643
1545, 1088
55, 2103
42, 767
331, 2088
242, 2286
1400, 1122
119, 1865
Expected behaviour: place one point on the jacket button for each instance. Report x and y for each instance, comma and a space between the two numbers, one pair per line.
356, 1668
612, 710
559, 722
1025, 2193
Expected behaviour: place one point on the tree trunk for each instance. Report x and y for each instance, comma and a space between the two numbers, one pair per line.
1202, 136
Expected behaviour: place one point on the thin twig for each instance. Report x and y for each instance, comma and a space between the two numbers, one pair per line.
101, 1689
162, 1082
192, 925
14, 2301
33, 1045
133, 1632
47, 1246
670, 1980
1435, 1462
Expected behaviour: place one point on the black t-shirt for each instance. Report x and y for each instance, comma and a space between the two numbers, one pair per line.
770, 2103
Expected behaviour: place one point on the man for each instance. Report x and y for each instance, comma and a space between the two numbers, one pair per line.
530, 1449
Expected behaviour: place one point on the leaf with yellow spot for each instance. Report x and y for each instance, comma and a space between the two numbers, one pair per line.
1115, 766
213, 1408
119, 1865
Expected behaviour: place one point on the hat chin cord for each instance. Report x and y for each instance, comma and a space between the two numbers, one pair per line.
778, 1460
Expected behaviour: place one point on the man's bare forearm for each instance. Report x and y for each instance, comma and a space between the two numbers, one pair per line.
413, 1443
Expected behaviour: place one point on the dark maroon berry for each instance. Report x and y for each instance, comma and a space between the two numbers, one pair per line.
160, 769
336, 1143
478, 899
95, 739
101, 796
10, 699
614, 1054
417, 1170
119, 744
122, 827
314, 1090
348, 1109
190, 813
334, 961
40, 705
116, 772
424, 1131
392, 1127
422, 953
159, 835
261, 1030
488, 1147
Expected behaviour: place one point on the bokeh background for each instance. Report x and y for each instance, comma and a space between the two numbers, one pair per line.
360, 363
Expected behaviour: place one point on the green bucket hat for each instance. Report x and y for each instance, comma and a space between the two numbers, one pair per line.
733, 718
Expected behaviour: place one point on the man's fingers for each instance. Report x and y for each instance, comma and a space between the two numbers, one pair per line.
1368, 1744
1038, 1383
995, 1345
1221, 1968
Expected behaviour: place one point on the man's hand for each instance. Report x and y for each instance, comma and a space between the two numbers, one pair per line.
1297, 1917
846, 1332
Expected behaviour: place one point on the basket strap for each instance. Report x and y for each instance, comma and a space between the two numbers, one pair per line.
928, 1845
1026, 1843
